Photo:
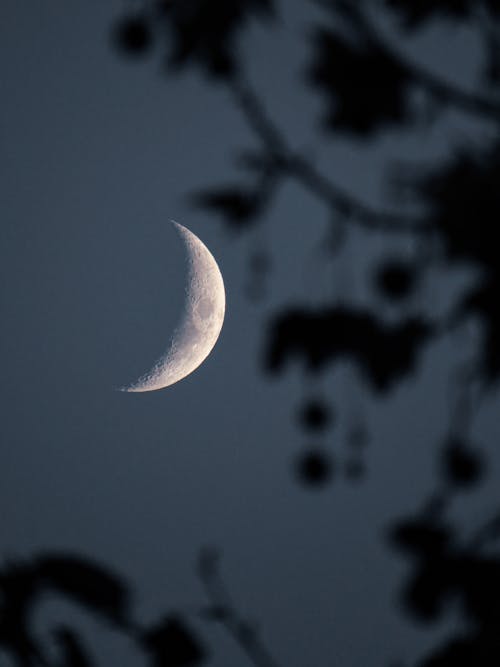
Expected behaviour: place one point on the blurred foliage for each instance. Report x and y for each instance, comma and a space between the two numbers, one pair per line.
365, 88
102, 593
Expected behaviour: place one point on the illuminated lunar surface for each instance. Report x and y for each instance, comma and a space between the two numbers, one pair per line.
204, 311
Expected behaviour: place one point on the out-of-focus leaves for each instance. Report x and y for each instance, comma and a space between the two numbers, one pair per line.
414, 13
365, 89
19, 587
87, 583
314, 468
477, 580
476, 649
132, 35
203, 32
395, 279
420, 537
429, 591
490, 532
462, 466
315, 415
465, 202
449, 572
384, 352
237, 205
171, 644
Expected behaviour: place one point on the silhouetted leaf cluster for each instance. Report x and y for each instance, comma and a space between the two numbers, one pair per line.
448, 572
462, 466
315, 415
22, 585
465, 201
384, 352
203, 33
314, 467
365, 88
87, 583
237, 205
416, 12
132, 35
465, 205
171, 644
395, 279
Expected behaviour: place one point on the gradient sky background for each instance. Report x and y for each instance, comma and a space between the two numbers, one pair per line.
97, 155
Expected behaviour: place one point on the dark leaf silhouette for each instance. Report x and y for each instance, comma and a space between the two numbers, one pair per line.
477, 580
19, 587
462, 465
315, 415
395, 279
448, 572
416, 12
429, 592
465, 202
365, 88
87, 583
314, 468
238, 206
204, 33
478, 650
132, 35
171, 644
421, 537
384, 352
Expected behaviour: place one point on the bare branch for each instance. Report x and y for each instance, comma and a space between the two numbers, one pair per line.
444, 91
304, 172
222, 610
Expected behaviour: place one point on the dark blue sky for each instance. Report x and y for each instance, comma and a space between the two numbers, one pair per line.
97, 155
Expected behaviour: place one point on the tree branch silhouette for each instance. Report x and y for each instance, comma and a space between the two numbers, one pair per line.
297, 167
443, 91
223, 611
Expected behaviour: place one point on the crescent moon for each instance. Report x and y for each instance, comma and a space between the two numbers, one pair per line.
199, 330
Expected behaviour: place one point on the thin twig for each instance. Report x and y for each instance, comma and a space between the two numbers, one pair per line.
443, 91
223, 611
298, 167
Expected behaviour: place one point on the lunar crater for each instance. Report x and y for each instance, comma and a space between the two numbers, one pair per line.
204, 313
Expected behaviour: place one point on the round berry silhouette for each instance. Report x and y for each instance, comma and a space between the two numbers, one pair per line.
314, 468
395, 279
132, 35
315, 415
462, 466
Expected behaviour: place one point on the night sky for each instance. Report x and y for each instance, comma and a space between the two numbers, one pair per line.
98, 153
